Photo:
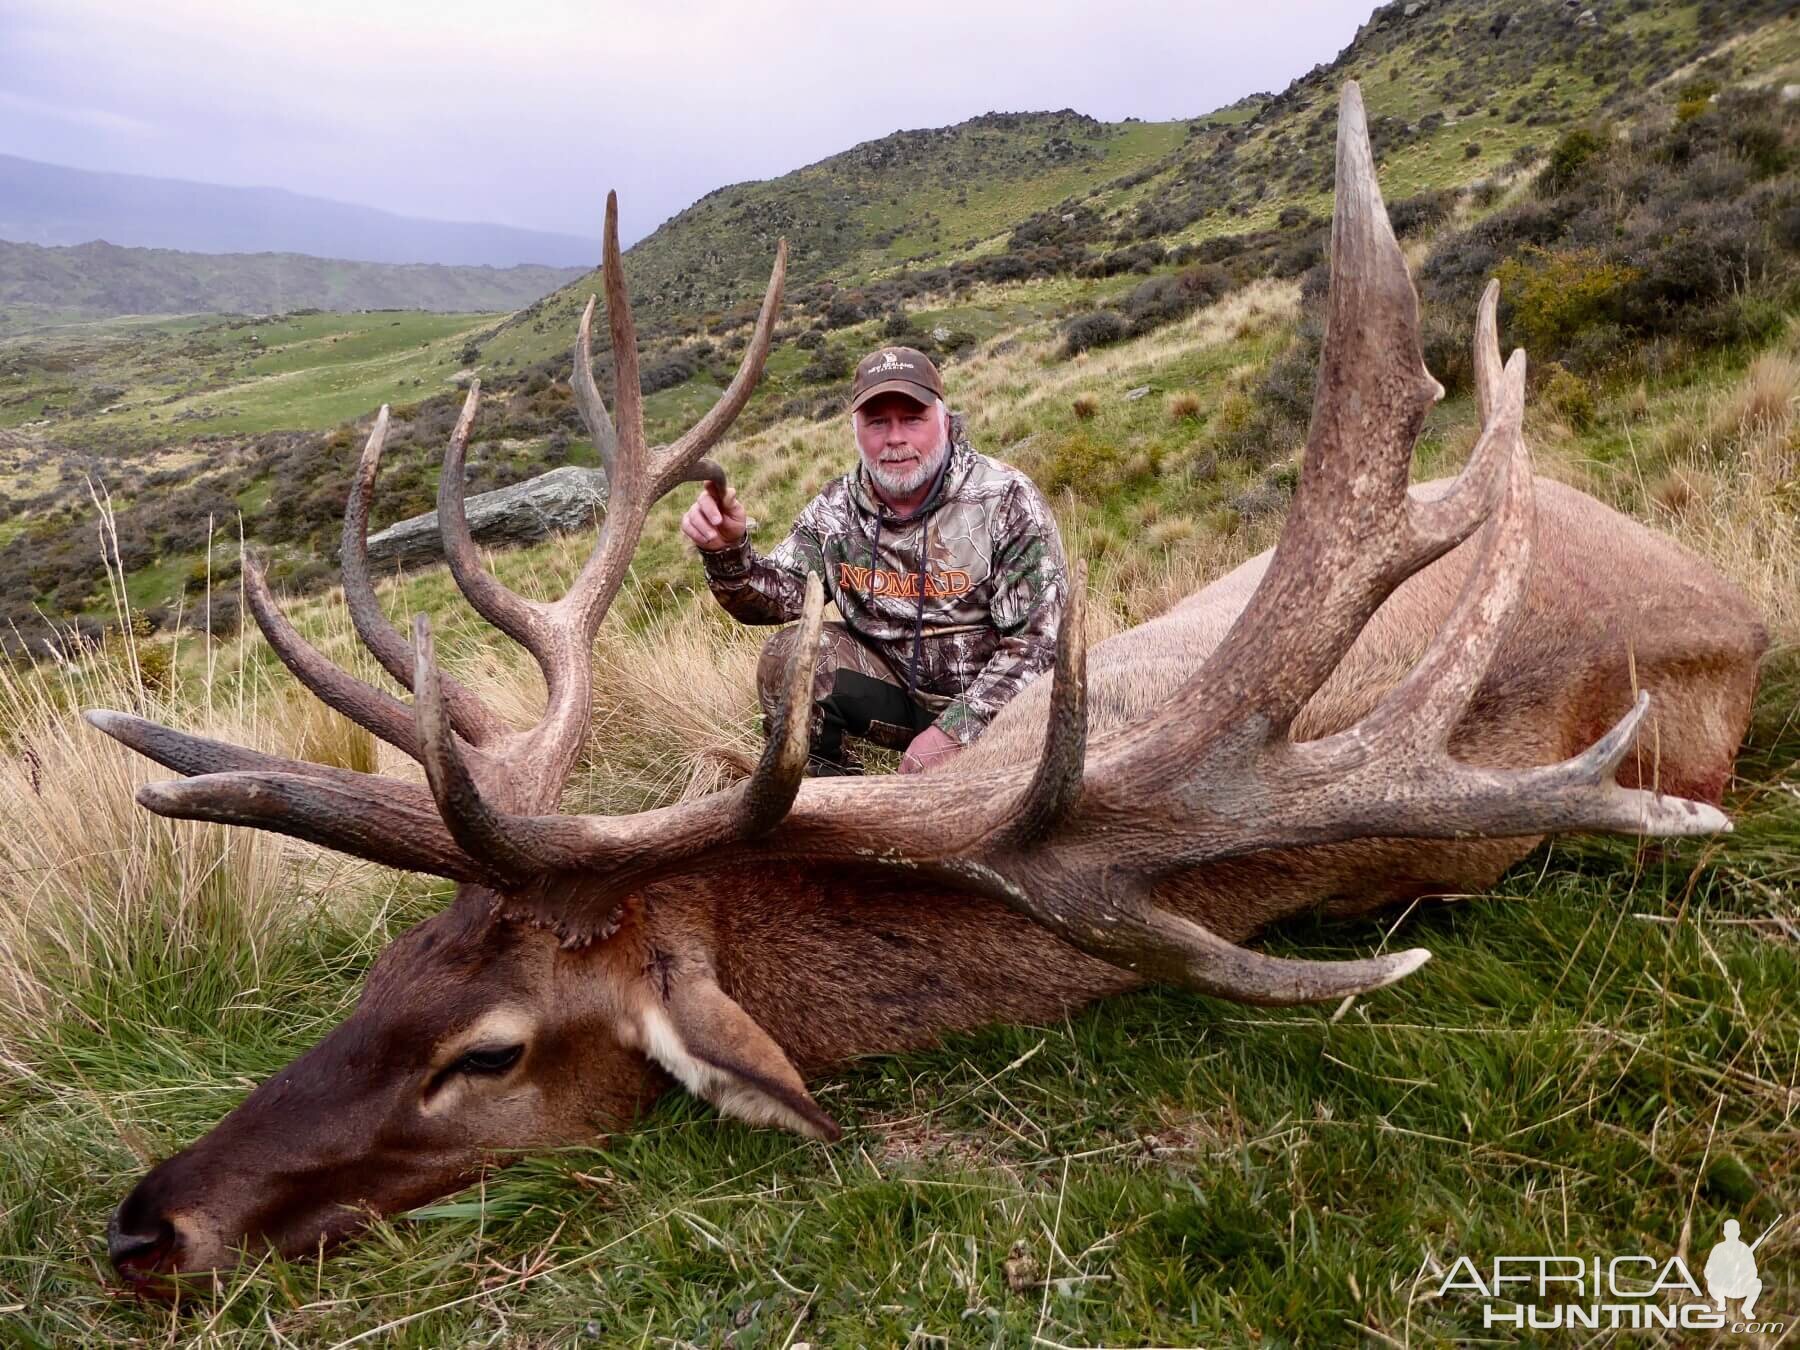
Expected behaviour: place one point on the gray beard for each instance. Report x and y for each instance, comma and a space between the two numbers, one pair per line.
899, 484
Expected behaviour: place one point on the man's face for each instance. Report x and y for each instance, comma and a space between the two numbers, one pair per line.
903, 442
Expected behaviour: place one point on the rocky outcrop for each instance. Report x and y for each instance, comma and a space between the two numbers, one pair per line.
569, 498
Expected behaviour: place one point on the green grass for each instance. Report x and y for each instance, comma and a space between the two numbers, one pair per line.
187, 377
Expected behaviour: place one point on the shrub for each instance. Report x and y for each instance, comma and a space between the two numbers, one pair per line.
844, 310
1164, 299
1184, 407
1086, 464
1097, 329
1696, 259
1553, 294
1416, 214
677, 367
1085, 407
827, 364
1571, 397
1472, 150
1577, 146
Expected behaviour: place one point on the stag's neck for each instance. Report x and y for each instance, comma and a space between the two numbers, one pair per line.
836, 965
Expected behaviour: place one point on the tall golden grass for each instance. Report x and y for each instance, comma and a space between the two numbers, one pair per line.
88, 877
1731, 488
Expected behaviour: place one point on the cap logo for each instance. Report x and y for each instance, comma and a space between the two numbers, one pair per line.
890, 360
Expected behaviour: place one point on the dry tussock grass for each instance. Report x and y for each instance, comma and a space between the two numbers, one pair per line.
88, 877
1734, 497
672, 687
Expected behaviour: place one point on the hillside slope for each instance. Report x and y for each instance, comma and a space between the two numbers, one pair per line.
100, 280
913, 198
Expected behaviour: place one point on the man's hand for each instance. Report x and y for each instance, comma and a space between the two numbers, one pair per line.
931, 746
715, 522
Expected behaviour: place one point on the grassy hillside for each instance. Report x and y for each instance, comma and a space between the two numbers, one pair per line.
100, 280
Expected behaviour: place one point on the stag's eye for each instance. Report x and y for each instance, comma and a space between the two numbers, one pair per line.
488, 1060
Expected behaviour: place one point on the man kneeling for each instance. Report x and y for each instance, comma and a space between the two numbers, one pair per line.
945, 565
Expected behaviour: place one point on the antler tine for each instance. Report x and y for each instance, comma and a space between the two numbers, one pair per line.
587, 394
770, 790
1055, 786
1425, 706
1176, 950
477, 828
192, 756
511, 613
233, 785
470, 715
1450, 518
1488, 372
373, 709
398, 827
1349, 539
627, 499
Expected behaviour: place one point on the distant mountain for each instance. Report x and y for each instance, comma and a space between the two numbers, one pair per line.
53, 205
95, 281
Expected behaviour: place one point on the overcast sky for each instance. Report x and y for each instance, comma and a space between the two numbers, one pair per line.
525, 113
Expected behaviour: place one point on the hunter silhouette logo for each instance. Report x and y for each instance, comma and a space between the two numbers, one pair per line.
1570, 1293
1731, 1269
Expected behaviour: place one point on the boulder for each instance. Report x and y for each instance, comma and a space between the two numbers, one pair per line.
569, 498
1133, 395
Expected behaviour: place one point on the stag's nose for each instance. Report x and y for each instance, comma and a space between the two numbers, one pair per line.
141, 1246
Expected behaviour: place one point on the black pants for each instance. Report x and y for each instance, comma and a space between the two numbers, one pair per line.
855, 693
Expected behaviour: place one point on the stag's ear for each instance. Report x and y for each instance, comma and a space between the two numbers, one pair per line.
719, 1053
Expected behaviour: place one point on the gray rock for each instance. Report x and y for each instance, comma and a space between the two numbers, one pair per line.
1587, 19
940, 334
1142, 391
569, 498
1417, 7
1790, 93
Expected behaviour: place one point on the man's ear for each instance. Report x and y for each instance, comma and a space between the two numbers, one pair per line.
720, 1054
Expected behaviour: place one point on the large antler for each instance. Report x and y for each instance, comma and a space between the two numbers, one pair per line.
482, 773
1082, 841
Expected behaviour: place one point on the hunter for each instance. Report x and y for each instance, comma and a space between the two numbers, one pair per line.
944, 564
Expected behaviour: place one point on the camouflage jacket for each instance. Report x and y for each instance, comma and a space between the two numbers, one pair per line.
986, 549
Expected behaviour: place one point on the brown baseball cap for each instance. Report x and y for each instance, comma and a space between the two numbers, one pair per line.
896, 370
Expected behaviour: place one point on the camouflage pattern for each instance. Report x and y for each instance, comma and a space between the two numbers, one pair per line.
995, 582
